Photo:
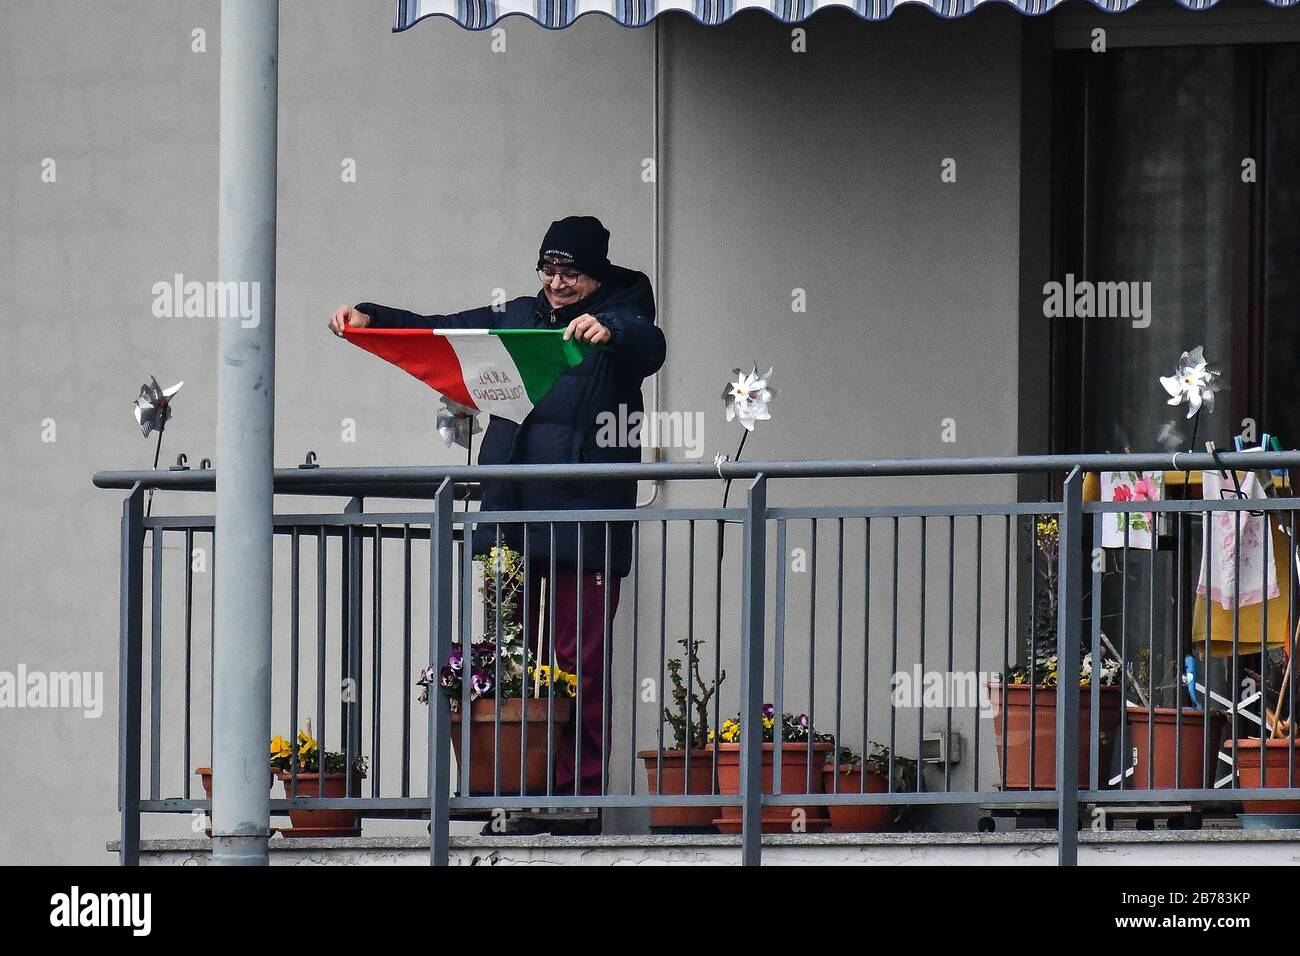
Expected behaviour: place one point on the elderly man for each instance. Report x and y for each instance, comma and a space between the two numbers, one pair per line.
606, 305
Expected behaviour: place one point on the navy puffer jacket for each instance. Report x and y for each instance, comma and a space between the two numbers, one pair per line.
562, 427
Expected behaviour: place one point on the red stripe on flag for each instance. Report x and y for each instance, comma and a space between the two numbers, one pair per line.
420, 352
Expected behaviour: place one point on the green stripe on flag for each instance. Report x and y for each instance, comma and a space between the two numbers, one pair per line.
542, 356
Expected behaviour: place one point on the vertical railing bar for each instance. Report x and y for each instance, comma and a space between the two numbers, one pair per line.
663, 654
441, 570
1006, 644
839, 658
465, 596
1263, 645
1151, 664
607, 673
406, 661
1069, 603
1291, 640
1236, 643
1094, 686
635, 655
496, 666
530, 680
751, 756
155, 662
952, 601
550, 644
1179, 584
893, 661
687, 714
1033, 652
189, 657
130, 664
376, 655
1125, 744
717, 644
295, 633
866, 650
812, 666
778, 662
322, 564
578, 722
980, 689
920, 714
1206, 535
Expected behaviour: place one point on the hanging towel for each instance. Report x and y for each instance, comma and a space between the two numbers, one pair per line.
1240, 567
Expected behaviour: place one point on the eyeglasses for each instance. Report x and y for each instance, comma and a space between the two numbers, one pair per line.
568, 277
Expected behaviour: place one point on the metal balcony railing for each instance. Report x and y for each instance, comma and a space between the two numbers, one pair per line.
887, 625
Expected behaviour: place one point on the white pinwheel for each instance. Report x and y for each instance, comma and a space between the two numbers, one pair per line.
1193, 382
747, 397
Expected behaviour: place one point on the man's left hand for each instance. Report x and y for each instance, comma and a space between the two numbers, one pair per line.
587, 328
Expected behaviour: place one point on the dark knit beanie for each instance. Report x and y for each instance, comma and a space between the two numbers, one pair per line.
581, 240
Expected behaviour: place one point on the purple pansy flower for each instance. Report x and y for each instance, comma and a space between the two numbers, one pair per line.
480, 682
769, 711
455, 659
426, 676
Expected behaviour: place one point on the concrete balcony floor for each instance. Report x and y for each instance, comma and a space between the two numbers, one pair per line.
1209, 847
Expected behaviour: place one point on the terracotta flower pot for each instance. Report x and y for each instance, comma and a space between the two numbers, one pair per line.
205, 778
322, 823
1016, 711
795, 767
861, 818
483, 742
1195, 752
1270, 771
673, 763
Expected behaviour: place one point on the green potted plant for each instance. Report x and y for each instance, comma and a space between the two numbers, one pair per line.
849, 773
667, 771
507, 688
1025, 697
317, 777
803, 752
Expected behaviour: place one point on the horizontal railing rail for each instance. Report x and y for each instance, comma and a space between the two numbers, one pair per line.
871, 624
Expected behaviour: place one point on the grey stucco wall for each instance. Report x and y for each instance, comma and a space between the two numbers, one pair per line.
818, 171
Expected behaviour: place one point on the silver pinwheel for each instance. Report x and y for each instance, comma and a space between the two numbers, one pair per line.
457, 423
153, 407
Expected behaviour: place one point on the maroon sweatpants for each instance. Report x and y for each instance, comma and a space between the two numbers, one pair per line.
574, 644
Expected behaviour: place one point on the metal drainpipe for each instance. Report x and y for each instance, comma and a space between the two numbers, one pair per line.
245, 434
658, 276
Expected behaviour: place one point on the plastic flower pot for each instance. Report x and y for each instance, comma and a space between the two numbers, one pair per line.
205, 778
1179, 761
487, 762
798, 775
859, 818
1265, 768
1012, 704
322, 823
673, 763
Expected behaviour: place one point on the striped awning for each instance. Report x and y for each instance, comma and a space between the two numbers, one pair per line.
557, 14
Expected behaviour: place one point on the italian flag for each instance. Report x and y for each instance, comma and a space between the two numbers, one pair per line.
503, 372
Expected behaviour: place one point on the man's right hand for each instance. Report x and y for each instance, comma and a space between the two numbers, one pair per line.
346, 315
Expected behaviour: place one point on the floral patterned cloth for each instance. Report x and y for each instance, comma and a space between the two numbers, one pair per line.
1129, 486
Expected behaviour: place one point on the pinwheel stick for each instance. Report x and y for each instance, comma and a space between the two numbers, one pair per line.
157, 450
726, 489
1196, 421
